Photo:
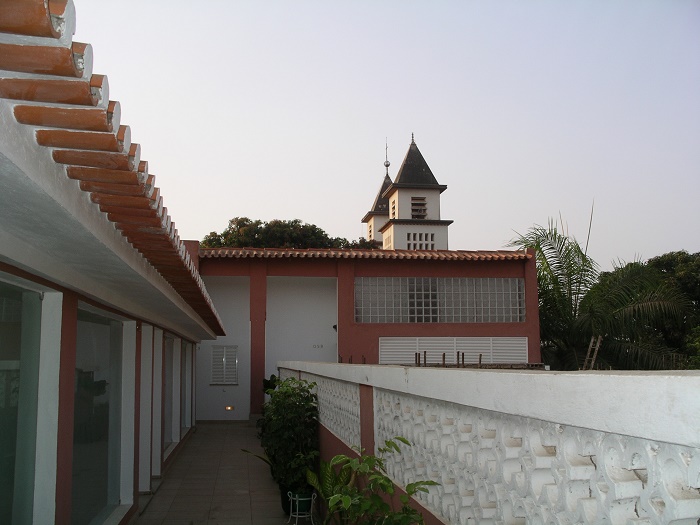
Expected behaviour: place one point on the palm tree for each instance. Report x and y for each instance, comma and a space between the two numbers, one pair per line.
577, 302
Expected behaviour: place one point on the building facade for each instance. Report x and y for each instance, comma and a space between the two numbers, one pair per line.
101, 304
361, 306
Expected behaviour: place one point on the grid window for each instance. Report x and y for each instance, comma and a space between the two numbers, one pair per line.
224, 365
439, 300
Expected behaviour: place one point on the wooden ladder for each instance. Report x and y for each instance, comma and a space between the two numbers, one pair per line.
590, 359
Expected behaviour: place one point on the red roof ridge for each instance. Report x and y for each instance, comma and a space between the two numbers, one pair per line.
338, 253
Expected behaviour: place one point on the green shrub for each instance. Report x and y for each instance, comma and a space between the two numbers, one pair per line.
357, 490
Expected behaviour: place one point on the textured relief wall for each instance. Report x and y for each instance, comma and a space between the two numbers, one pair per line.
503, 469
338, 407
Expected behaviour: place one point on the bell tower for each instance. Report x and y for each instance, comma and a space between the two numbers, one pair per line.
410, 207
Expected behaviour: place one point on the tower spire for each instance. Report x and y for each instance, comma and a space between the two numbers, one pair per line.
386, 153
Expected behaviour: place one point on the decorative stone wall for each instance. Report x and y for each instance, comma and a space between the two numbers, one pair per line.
495, 468
338, 407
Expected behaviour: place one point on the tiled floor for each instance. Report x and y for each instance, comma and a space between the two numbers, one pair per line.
213, 482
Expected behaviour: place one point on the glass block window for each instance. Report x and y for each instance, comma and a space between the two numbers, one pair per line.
224, 365
439, 300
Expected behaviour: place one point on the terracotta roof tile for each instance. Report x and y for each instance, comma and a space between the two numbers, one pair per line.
31, 18
122, 176
48, 77
45, 60
330, 253
77, 159
89, 119
59, 91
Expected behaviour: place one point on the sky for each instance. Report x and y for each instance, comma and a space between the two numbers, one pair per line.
526, 110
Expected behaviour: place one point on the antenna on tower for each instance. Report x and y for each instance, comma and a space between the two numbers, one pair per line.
386, 152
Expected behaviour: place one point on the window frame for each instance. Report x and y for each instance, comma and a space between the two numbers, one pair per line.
229, 372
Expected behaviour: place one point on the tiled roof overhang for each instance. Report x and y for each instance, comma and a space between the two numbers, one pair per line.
47, 85
329, 253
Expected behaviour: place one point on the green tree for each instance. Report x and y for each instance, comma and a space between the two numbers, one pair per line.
630, 306
243, 232
577, 302
682, 270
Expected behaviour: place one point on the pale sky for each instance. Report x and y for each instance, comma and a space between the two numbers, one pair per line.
526, 110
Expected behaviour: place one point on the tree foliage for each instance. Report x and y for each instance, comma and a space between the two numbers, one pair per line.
627, 307
243, 232
682, 269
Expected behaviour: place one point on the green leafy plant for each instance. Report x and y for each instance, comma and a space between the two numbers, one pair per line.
288, 433
357, 490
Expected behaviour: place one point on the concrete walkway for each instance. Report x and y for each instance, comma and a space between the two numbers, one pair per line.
212, 482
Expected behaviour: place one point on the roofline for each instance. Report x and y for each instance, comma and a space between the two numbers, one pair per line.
421, 222
337, 253
371, 214
401, 185
60, 121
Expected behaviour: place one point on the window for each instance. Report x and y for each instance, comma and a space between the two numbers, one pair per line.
20, 325
439, 300
419, 208
224, 365
393, 209
97, 420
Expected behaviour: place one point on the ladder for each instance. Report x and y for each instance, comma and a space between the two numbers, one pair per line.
590, 359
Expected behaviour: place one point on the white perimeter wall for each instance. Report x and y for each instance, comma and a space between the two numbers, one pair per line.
231, 296
301, 312
530, 447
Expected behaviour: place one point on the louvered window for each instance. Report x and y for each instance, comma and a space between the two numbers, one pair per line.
488, 350
224, 365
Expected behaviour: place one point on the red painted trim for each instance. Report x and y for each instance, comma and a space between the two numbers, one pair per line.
367, 418
66, 409
258, 315
346, 308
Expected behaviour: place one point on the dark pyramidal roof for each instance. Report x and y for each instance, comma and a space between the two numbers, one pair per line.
414, 173
381, 204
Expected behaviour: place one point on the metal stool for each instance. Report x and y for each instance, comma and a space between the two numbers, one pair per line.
295, 502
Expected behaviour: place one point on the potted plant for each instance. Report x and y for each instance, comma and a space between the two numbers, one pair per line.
288, 433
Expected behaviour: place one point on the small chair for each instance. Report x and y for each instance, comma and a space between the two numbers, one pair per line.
301, 506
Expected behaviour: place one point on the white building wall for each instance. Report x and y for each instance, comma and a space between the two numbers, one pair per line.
403, 203
301, 312
47, 418
146, 401
231, 296
399, 240
128, 420
374, 225
157, 410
